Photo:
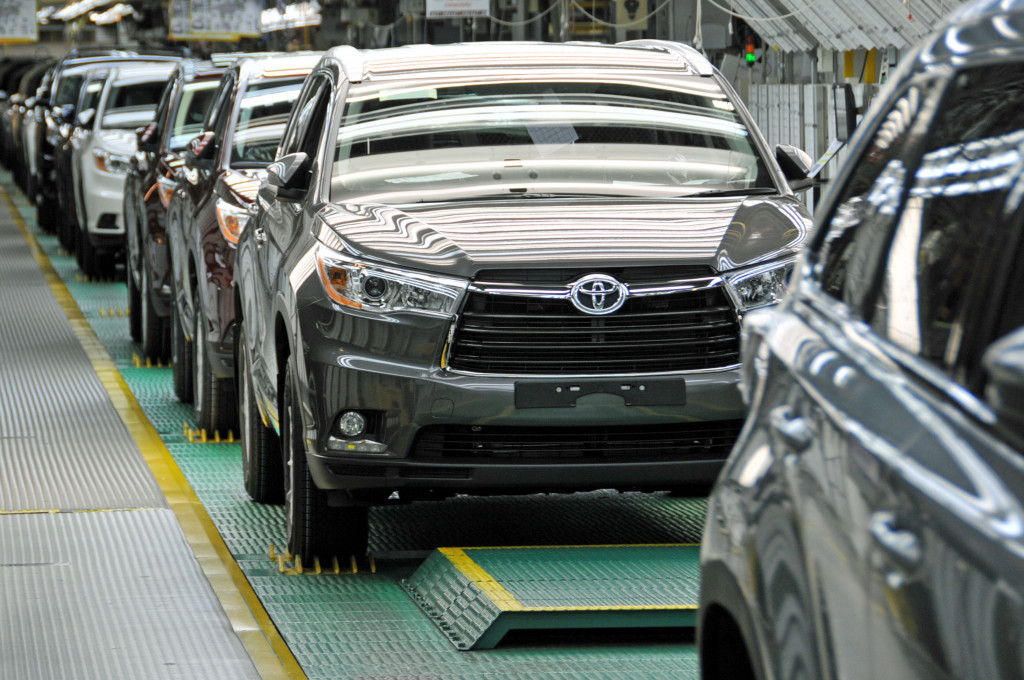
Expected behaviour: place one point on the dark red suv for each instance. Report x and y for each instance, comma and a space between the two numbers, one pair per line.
222, 170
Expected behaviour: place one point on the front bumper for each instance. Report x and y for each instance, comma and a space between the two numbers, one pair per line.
103, 202
406, 404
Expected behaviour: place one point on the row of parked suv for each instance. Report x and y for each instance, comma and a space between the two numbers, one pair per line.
413, 272
428, 270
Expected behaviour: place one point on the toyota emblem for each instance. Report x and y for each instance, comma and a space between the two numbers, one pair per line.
598, 294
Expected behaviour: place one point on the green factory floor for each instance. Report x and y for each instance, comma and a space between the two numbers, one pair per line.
366, 624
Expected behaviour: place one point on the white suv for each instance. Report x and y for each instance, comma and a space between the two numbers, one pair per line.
100, 159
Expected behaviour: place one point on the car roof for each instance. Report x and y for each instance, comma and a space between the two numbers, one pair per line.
412, 59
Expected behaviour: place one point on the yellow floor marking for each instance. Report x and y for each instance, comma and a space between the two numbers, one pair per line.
507, 602
249, 619
494, 591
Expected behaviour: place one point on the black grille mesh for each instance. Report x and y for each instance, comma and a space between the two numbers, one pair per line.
705, 440
681, 331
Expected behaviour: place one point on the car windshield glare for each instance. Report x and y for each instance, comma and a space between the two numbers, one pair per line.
263, 113
454, 139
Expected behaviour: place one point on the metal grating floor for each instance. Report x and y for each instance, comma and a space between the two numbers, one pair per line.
97, 578
365, 625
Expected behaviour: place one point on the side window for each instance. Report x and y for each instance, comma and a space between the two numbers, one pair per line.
862, 221
217, 115
957, 220
305, 112
163, 107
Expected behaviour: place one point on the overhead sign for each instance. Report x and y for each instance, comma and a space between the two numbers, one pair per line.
447, 9
219, 20
18, 22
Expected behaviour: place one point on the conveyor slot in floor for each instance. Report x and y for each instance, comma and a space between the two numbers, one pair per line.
477, 595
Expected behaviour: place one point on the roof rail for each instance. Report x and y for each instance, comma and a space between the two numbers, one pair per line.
685, 53
352, 62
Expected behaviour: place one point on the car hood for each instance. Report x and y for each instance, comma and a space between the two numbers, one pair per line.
462, 238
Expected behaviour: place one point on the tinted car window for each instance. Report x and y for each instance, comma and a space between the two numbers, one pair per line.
67, 90
648, 138
263, 113
953, 226
188, 119
131, 105
859, 229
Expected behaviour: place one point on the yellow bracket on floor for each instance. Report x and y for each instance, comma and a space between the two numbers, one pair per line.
292, 564
202, 437
137, 360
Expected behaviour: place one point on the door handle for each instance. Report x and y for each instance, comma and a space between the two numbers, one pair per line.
795, 432
903, 545
260, 235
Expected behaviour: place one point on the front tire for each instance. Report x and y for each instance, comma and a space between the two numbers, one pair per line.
134, 308
181, 357
262, 468
315, 529
214, 397
154, 329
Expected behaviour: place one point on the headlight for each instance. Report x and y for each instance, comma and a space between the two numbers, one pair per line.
113, 163
375, 288
232, 220
762, 285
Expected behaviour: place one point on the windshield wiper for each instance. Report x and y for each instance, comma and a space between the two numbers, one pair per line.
756, 191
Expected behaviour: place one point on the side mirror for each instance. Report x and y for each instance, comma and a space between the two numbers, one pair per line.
200, 150
1004, 363
289, 176
844, 106
147, 138
796, 166
85, 118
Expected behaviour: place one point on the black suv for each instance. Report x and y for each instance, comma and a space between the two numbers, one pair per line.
502, 267
870, 520
149, 183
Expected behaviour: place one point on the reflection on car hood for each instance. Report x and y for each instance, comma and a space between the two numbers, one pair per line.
461, 238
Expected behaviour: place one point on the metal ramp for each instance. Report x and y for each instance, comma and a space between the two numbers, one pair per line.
477, 595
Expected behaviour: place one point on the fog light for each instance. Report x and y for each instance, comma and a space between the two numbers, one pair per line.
352, 424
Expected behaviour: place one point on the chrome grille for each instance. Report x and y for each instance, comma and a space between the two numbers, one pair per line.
516, 335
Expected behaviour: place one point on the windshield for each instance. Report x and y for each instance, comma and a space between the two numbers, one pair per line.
131, 105
188, 119
446, 139
264, 111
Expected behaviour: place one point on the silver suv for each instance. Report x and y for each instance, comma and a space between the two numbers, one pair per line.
503, 267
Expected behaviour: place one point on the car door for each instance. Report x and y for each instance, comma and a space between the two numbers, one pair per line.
945, 566
823, 405
280, 219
